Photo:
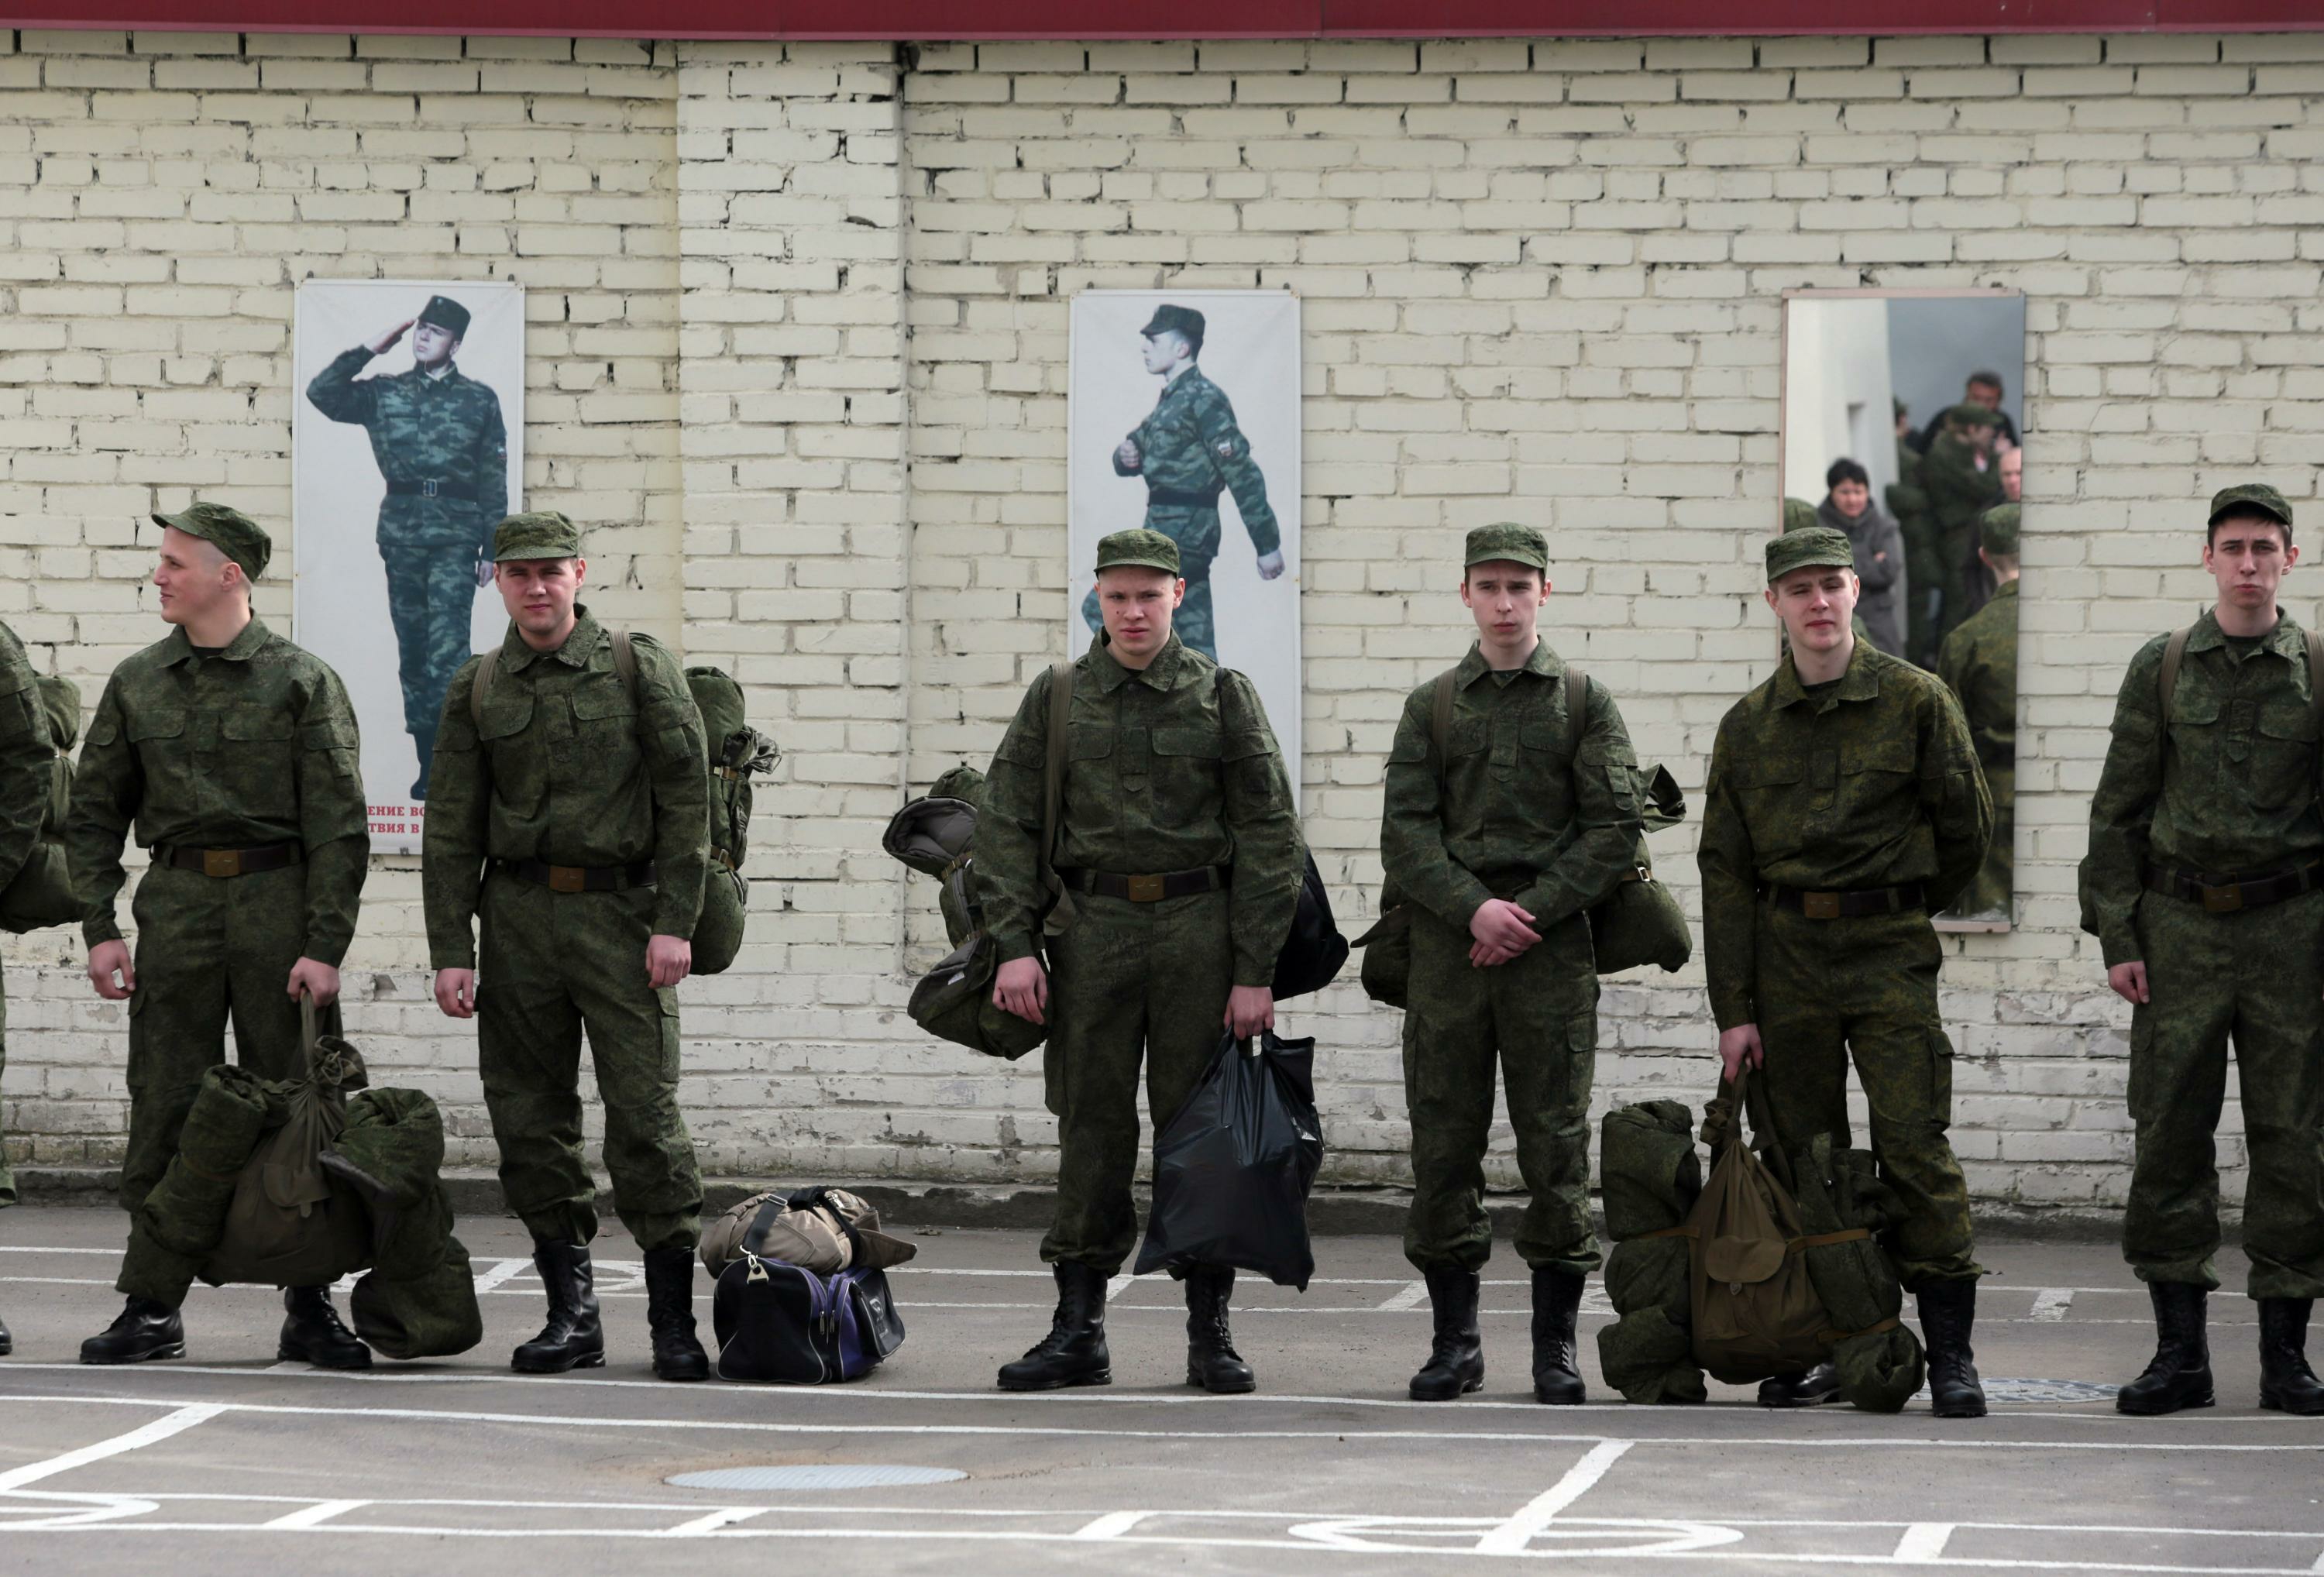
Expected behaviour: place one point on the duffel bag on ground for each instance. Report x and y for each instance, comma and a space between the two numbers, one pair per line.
778, 1324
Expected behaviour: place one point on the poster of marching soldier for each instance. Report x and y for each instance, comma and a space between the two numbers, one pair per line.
1182, 417
406, 451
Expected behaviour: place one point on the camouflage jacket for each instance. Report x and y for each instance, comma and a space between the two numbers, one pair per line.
1978, 663
445, 431
1170, 769
564, 765
253, 746
1957, 491
1191, 446
1871, 782
26, 756
1508, 813
2231, 790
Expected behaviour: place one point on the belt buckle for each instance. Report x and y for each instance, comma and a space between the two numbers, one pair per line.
1820, 906
221, 861
427, 488
1145, 889
568, 879
2223, 901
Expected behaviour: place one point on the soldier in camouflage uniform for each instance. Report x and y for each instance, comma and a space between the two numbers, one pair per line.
26, 753
1844, 806
1908, 501
1979, 665
570, 812
438, 436
1499, 843
1188, 452
1178, 847
1961, 481
2204, 884
234, 754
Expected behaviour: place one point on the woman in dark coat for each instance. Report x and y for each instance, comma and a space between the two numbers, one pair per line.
1879, 547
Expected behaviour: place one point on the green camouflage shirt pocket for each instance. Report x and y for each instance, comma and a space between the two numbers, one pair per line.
1251, 756
258, 769
1186, 767
519, 772
1619, 763
2284, 754
164, 758
605, 730
333, 739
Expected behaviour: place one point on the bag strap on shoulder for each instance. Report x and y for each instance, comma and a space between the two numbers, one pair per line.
1577, 710
2315, 678
1440, 719
2174, 654
488, 667
1052, 779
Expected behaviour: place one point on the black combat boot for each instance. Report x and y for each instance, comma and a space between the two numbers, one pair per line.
1948, 1310
143, 1328
1804, 1388
1073, 1351
311, 1332
573, 1338
1556, 1372
2286, 1383
1456, 1360
1211, 1362
677, 1354
2180, 1376
423, 741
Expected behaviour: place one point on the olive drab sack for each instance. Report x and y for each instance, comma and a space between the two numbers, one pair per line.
737, 753
935, 835
1755, 1310
41, 893
822, 1230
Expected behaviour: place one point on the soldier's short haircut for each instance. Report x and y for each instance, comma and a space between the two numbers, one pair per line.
2244, 511
1990, 380
1845, 470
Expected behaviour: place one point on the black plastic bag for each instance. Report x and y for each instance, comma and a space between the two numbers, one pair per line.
1314, 951
1232, 1169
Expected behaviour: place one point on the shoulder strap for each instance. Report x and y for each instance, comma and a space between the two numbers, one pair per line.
1577, 709
625, 662
2174, 652
1053, 771
2315, 678
488, 665
1440, 722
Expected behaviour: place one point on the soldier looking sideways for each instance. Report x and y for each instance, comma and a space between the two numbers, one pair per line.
1179, 845
1844, 808
1502, 840
569, 813
2204, 884
234, 754
26, 759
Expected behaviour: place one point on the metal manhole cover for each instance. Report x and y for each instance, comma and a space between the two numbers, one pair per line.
2045, 1391
814, 1476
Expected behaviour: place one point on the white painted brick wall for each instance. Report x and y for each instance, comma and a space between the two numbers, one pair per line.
800, 324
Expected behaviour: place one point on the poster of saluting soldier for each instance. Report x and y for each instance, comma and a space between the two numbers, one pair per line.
406, 439
1182, 417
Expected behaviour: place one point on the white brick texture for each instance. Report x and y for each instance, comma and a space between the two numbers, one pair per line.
798, 351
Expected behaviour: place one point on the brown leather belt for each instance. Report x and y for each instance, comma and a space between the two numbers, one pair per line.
1850, 906
231, 861
581, 878
2226, 894
1148, 888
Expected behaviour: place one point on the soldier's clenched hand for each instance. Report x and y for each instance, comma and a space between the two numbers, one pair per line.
386, 342
319, 980
106, 961
1127, 456
484, 567
1022, 988
455, 992
2129, 982
668, 960
1502, 930
1249, 1009
1739, 1047
1271, 566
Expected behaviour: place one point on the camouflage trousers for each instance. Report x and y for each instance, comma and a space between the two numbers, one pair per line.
1536, 1016
1128, 982
2253, 977
1196, 533
553, 964
431, 596
212, 952
1866, 989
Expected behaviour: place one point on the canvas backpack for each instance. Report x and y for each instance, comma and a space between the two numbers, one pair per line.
41, 893
737, 753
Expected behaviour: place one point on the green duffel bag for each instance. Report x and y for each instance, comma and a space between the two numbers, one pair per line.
41, 893
953, 1001
1387, 970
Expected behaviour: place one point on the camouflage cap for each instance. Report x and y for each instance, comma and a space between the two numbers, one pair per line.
1970, 413
1997, 530
447, 314
1816, 545
1507, 542
1144, 549
1186, 320
1799, 514
230, 532
537, 534
2259, 495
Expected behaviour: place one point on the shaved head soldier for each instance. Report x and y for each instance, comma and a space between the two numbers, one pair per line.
233, 753
1844, 808
2204, 885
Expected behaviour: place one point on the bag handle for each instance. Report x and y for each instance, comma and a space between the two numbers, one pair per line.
311, 1028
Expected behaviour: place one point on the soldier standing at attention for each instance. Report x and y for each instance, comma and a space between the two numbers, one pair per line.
1844, 808
1188, 452
26, 758
234, 754
1979, 665
438, 436
1502, 841
570, 812
1178, 844
2202, 885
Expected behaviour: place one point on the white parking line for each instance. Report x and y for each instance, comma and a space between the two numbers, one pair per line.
724, 1517
1408, 1296
315, 1516
2051, 1303
1923, 1541
1516, 1535
182, 1419
1112, 1526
